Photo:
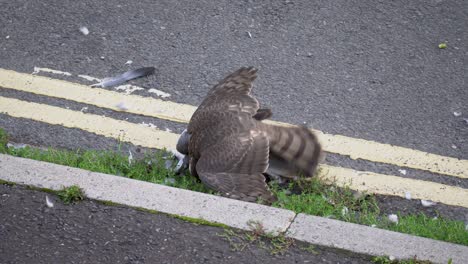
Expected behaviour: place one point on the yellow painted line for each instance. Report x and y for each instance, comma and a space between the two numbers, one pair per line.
353, 147
100, 125
370, 150
371, 182
94, 96
153, 138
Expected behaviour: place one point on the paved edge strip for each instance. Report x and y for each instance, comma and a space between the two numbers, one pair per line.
154, 138
147, 195
352, 147
234, 213
373, 241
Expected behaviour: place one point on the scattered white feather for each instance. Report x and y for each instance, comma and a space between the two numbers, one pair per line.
169, 181
15, 145
402, 171
456, 113
344, 211
84, 109
427, 203
49, 203
7, 37
84, 30
391, 258
179, 165
89, 78
408, 195
250, 34
168, 130
122, 106
130, 157
358, 195
393, 218
454, 146
149, 125
177, 154
329, 200
159, 93
168, 163
102, 57
128, 62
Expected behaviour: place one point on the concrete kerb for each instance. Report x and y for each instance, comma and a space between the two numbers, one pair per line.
373, 241
147, 195
233, 213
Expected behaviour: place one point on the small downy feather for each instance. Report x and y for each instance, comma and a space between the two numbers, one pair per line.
49, 203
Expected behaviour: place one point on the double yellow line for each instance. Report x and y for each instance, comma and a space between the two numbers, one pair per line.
153, 138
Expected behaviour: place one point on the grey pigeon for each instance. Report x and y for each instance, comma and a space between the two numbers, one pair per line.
230, 148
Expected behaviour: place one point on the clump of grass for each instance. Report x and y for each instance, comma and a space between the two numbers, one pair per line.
3, 141
240, 240
314, 197
310, 248
71, 194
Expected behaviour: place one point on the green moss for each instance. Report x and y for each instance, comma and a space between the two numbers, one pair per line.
47, 190
146, 210
7, 183
199, 221
108, 203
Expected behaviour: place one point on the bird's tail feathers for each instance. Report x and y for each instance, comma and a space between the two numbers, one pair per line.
297, 146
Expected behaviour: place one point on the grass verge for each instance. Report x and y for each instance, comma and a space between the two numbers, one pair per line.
342, 204
315, 197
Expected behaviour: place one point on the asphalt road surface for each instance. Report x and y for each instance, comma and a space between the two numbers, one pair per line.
90, 232
366, 69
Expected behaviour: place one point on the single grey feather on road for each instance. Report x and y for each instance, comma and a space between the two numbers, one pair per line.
124, 77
